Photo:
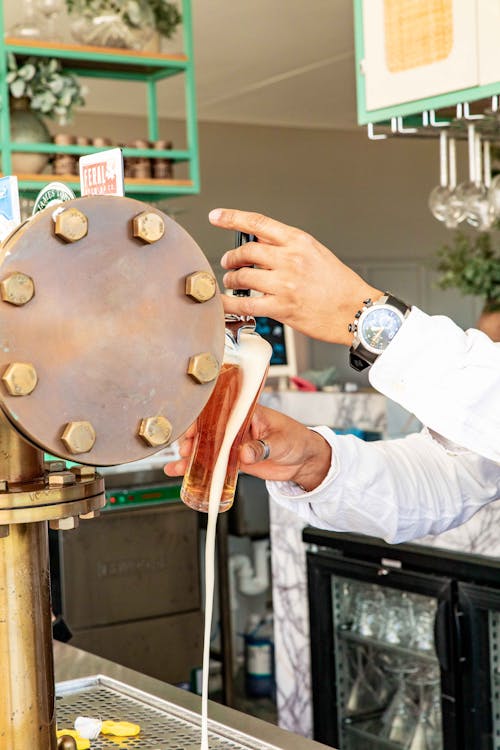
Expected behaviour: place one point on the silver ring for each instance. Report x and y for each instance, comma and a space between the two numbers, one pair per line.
267, 449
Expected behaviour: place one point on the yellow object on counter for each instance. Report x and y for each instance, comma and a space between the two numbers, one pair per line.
81, 742
120, 728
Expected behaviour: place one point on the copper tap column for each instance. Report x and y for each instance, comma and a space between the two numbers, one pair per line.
99, 323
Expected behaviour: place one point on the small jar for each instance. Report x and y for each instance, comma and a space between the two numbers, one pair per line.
65, 163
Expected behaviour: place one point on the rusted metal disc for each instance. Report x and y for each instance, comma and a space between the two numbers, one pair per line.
109, 330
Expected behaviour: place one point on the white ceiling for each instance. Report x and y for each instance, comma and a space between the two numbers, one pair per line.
269, 62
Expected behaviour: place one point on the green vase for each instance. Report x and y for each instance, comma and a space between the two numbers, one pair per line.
27, 126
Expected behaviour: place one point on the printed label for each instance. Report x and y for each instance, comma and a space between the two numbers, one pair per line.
51, 195
102, 173
10, 214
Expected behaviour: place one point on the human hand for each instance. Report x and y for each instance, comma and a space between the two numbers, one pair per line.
303, 283
297, 454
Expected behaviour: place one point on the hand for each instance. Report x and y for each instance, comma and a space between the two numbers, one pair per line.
297, 453
303, 283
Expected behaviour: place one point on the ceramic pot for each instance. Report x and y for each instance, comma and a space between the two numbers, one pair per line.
489, 321
26, 126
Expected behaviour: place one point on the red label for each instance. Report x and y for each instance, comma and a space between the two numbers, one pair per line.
99, 179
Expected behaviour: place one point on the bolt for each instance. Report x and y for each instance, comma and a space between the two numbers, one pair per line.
3, 486
78, 437
54, 465
64, 524
61, 479
71, 225
148, 226
17, 288
83, 472
20, 378
155, 431
201, 286
90, 515
203, 367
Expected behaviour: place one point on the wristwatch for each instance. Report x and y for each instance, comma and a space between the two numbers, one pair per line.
374, 328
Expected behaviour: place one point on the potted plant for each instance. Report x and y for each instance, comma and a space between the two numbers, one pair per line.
122, 23
38, 87
472, 264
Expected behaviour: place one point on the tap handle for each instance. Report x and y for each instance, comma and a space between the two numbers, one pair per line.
241, 239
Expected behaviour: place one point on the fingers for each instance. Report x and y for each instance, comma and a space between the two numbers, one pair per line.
266, 282
253, 452
252, 253
267, 307
176, 468
263, 227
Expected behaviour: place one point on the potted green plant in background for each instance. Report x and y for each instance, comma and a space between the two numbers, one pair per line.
122, 23
472, 265
38, 87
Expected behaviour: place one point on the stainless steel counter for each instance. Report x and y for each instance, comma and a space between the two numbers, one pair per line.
73, 664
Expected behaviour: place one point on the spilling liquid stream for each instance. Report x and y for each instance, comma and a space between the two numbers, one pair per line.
254, 359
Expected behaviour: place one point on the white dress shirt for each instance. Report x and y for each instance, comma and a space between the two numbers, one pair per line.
426, 483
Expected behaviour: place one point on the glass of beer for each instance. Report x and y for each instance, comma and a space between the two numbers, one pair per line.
225, 420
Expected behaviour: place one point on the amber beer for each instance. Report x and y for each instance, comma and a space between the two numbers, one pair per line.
210, 430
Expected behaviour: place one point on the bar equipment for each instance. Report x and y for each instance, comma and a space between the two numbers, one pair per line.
102, 352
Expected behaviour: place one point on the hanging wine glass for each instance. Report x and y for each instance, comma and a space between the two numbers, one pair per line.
455, 208
472, 190
440, 195
427, 735
399, 720
481, 213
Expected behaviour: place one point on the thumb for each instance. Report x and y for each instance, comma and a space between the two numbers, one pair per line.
252, 452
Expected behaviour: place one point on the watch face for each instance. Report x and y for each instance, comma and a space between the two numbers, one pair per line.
378, 327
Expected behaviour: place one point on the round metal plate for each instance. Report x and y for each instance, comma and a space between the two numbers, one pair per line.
109, 330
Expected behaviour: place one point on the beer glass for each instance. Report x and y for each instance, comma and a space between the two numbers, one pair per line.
225, 420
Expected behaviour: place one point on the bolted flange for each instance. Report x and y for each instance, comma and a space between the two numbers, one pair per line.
203, 367
155, 431
83, 472
201, 286
90, 515
54, 465
78, 437
148, 226
20, 378
64, 524
70, 225
17, 288
60, 478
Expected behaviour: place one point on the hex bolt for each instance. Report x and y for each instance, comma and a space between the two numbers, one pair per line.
64, 524
54, 465
61, 479
203, 367
155, 431
148, 226
201, 286
17, 288
20, 378
66, 742
83, 472
70, 225
78, 437
90, 515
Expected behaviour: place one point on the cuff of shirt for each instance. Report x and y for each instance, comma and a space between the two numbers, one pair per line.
286, 491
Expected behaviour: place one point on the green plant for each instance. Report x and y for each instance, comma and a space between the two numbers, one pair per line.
134, 12
51, 90
472, 265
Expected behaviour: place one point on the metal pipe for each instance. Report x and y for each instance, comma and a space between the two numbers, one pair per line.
27, 702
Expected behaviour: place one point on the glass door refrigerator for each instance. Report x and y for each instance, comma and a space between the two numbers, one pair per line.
394, 658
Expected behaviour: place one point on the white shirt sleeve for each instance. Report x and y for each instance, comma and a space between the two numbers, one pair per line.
397, 490
447, 377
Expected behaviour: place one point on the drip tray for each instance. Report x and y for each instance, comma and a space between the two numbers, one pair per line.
164, 725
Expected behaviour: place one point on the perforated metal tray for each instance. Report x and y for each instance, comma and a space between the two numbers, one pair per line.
164, 725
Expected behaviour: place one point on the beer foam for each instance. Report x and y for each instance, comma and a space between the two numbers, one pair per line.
255, 353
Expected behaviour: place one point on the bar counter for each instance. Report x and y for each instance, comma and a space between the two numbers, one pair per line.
74, 664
